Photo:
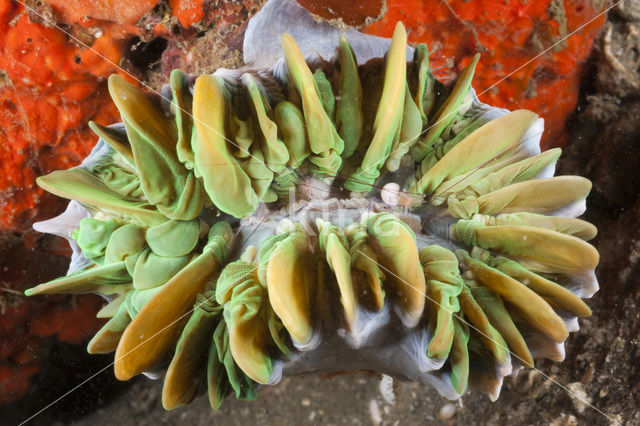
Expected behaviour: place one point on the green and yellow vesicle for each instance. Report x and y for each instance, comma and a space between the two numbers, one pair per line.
262, 222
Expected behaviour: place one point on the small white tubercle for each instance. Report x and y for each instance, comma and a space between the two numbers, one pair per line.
389, 194
387, 389
393, 197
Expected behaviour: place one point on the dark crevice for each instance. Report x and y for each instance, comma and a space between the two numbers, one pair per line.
145, 55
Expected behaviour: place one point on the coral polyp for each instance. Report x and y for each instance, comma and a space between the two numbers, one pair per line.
324, 215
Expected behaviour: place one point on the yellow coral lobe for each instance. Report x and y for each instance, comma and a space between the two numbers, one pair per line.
533, 307
396, 244
289, 287
546, 250
156, 328
226, 183
484, 144
544, 196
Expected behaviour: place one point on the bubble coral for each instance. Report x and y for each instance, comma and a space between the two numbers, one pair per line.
303, 214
